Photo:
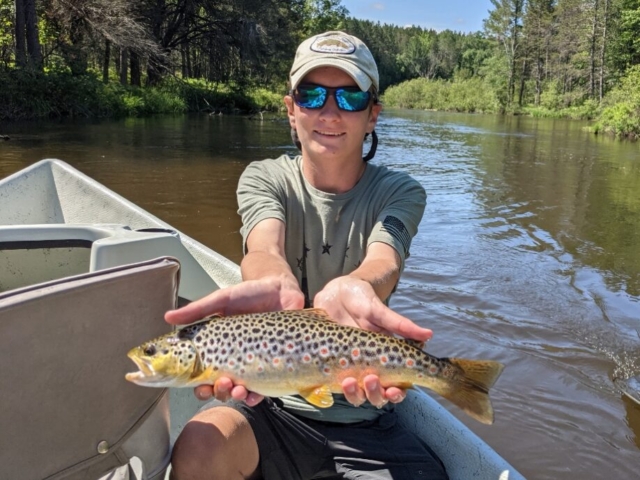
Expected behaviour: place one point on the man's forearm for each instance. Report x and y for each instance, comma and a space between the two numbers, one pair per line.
260, 264
382, 274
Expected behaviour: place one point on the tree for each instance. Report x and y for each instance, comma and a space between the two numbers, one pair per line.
538, 32
504, 24
26, 32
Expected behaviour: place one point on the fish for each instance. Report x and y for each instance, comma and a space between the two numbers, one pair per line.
306, 353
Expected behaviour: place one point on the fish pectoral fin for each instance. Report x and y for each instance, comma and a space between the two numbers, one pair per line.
320, 396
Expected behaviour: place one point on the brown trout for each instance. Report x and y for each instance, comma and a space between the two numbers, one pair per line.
304, 352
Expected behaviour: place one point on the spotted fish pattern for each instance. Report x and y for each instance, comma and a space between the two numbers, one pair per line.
304, 352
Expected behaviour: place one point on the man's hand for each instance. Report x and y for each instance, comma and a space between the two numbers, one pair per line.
265, 295
352, 301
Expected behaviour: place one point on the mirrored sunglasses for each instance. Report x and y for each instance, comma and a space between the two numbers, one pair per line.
349, 99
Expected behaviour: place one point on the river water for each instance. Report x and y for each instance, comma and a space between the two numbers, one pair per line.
529, 253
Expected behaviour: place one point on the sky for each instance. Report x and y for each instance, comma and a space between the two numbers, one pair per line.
457, 15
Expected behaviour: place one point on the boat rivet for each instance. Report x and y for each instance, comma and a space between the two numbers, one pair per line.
103, 447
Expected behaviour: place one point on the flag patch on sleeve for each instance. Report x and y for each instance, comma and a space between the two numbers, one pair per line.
394, 227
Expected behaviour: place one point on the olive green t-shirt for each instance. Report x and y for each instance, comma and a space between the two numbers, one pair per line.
327, 234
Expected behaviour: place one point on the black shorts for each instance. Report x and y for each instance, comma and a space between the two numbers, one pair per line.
296, 448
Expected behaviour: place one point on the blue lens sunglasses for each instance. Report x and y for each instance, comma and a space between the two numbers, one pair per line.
349, 99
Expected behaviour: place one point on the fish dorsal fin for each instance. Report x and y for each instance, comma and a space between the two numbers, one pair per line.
415, 343
320, 313
320, 396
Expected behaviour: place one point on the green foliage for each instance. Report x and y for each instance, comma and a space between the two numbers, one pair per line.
621, 115
26, 95
469, 95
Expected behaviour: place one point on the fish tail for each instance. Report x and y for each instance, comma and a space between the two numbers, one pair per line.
469, 390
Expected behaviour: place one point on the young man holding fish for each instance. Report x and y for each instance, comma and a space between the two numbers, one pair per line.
325, 226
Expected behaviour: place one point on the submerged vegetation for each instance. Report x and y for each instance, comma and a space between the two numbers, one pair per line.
551, 58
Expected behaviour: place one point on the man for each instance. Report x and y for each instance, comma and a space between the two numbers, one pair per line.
327, 226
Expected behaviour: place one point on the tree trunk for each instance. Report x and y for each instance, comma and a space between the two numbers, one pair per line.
603, 49
105, 63
592, 51
21, 52
522, 82
116, 59
135, 69
124, 62
33, 40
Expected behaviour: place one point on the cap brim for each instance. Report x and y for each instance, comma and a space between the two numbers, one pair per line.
362, 79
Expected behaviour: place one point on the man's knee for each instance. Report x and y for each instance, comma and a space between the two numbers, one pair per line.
209, 444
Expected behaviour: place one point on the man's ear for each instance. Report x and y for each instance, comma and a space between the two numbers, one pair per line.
376, 108
288, 101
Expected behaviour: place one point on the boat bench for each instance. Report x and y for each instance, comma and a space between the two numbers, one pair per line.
66, 410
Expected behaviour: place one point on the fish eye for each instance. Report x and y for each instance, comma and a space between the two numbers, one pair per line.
149, 350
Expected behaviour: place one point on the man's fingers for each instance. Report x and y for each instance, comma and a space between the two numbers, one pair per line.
395, 395
203, 392
212, 303
352, 392
374, 391
253, 399
222, 389
396, 323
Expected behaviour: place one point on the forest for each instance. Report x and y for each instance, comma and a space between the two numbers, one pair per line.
100, 58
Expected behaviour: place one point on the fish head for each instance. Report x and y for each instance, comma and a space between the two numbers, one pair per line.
167, 361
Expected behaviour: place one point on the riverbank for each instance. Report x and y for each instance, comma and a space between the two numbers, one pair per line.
618, 114
29, 96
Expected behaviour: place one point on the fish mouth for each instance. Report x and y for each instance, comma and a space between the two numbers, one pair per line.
145, 369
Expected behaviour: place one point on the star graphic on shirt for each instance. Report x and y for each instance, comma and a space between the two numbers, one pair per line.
325, 248
300, 263
305, 250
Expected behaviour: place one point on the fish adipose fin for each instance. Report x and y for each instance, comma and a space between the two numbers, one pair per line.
320, 396
319, 314
470, 392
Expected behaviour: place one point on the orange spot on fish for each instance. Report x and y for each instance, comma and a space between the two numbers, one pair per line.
324, 351
410, 362
276, 361
344, 362
326, 370
306, 358
384, 359
290, 346
355, 353
433, 369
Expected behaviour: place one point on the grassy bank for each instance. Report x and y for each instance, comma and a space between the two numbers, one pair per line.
618, 114
53, 95
470, 95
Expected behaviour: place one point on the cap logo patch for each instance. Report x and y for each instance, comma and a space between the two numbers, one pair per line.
333, 44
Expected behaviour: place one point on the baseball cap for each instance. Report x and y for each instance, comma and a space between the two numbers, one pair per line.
336, 49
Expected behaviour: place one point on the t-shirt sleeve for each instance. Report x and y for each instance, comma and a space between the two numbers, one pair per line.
398, 221
259, 196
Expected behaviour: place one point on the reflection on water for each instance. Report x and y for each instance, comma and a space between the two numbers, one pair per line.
527, 253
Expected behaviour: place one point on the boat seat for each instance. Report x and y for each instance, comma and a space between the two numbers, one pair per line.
66, 410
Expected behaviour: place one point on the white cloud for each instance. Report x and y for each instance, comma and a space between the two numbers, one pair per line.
377, 6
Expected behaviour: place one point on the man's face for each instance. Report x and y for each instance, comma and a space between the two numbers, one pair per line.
329, 132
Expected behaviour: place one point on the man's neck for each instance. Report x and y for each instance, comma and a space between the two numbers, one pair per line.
333, 176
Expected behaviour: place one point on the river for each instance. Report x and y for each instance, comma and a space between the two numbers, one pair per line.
529, 252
